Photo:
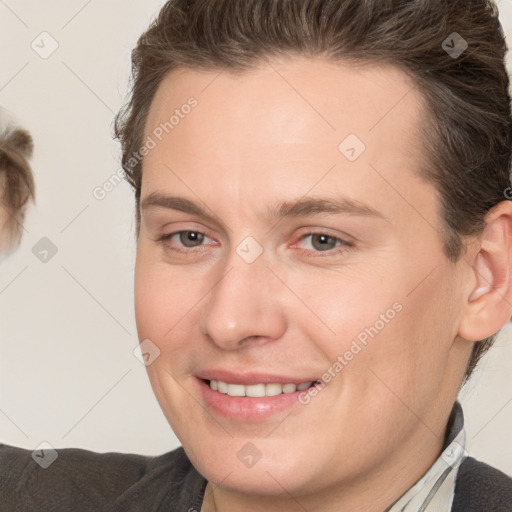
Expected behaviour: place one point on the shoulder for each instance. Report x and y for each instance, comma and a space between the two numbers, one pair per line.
480, 487
170, 483
79, 480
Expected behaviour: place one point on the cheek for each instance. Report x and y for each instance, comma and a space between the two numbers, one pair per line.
166, 304
149, 301
431, 317
352, 304
161, 310
385, 318
409, 355
160, 299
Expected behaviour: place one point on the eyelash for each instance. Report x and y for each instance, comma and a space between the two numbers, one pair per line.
342, 248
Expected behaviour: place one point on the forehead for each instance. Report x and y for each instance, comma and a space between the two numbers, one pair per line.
311, 99
287, 122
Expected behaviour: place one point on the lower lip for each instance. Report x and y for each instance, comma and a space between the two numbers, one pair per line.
244, 408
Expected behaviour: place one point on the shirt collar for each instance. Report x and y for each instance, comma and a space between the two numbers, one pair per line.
434, 491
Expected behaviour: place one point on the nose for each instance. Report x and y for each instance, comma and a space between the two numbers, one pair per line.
244, 305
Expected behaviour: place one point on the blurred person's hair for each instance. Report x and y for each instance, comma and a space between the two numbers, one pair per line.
16, 185
466, 136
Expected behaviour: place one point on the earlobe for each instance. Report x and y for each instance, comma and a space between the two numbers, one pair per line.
489, 302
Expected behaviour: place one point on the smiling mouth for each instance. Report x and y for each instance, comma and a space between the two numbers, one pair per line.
257, 390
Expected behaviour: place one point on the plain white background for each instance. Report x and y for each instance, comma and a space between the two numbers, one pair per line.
68, 374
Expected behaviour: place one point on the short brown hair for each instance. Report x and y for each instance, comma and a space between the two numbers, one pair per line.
16, 184
467, 136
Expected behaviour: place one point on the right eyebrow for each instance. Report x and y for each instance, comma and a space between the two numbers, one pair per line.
156, 200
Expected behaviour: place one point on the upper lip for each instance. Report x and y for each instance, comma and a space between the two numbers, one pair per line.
249, 378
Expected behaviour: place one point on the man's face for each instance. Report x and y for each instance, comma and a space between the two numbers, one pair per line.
251, 298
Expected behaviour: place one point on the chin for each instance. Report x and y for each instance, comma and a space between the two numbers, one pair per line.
269, 473
262, 479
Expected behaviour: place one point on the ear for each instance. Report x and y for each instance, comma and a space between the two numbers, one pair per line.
489, 297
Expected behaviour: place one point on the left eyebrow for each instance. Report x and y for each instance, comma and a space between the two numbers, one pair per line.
311, 206
288, 209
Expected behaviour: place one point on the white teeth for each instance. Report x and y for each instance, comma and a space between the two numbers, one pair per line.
289, 388
273, 389
256, 390
236, 390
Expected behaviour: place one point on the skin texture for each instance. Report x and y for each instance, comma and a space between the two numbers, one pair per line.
272, 135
